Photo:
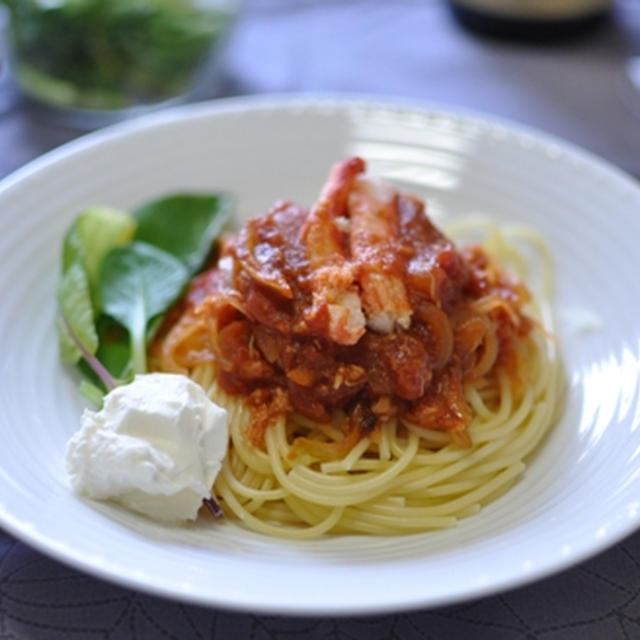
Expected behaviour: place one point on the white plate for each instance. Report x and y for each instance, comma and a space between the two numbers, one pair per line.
581, 493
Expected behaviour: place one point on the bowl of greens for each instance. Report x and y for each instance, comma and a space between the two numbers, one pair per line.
96, 61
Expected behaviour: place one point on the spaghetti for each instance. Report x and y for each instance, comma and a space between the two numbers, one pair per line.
378, 380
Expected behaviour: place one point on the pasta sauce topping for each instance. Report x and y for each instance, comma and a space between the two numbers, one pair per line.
360, 305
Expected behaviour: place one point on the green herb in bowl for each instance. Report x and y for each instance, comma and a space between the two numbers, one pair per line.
113, 54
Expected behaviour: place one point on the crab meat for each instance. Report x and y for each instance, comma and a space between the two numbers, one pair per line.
374, 227
336, 308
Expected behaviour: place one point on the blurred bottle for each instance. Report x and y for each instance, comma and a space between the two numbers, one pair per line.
531, 20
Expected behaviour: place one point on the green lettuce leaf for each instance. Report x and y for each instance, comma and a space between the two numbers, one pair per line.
74, 298
137, 283
92, 235
184, 225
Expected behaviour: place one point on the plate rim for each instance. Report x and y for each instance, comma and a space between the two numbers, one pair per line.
316, 102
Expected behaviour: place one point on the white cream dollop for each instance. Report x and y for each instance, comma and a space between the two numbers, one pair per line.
156, 447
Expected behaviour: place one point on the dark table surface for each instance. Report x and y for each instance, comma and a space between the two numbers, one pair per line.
578, 90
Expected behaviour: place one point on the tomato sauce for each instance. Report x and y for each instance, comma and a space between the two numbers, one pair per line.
271, 335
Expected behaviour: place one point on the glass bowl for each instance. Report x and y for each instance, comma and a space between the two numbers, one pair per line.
99, 61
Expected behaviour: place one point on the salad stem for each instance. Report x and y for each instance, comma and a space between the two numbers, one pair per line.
95, 364
139, 356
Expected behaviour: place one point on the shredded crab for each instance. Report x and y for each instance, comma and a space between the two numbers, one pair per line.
335, 295
358, 307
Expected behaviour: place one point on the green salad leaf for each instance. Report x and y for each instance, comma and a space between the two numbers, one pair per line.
114, 348
184, 225
67, 347
137, 283
92, 393
121, 273
74, 298
93, 234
